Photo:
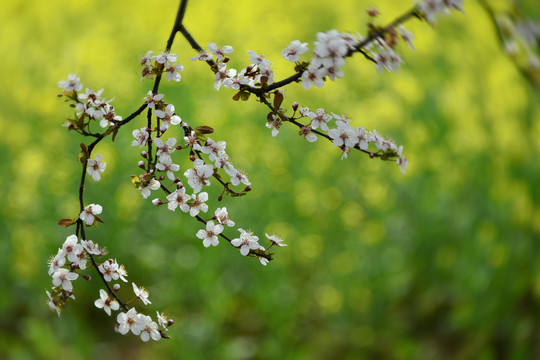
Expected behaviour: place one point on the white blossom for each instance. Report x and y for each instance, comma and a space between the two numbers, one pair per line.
72, 83
95, 167
141, 293
89, 213
293, 51
222, 216
246, 242
179, 198
63, 277
130, 321
209, 236
106, 303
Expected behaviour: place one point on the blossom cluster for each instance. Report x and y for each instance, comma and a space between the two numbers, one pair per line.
90, 105
431, 8
161, 63
65, 267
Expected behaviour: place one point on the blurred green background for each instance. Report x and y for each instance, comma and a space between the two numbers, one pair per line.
440, 263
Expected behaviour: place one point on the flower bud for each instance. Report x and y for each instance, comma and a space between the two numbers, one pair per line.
295, 106
141, 164
157, 202
116, 287
87, 277
179, 147
371, 155
170, 322
248, 188
161, 178
144, 154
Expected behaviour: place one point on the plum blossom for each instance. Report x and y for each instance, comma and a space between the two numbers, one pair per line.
165, 149
275, 240
274, 124
258, 60
152, 99
151, 185
167, 117
203, 56
53, 303
172, 72
149, 329
72, 83
63, 277
198, 204
319, 119
89, 214
209, 236
130, 321
222, 216
386, 58
307, 132
165, 58
57, 261
224, 76
179, 198
313, 76
237, 177
95, 167
292, 52
246, 242
141, 136
343, 135
71, 248
199, 175
401, 160
407, 36
220, 53
106, 303
93, 248
109, 269
168, 166
141, 293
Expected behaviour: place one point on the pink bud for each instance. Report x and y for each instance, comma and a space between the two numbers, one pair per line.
295, 106
157, 202
170, 322
116, 287
144, 154
87, 277
141, 164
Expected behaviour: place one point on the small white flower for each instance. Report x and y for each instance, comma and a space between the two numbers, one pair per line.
319, 119
52, 303
401, 160
165, 149
246, 242
109, 269
72, 83
89, 213
165, 58
313, 76
163, 320
167, 117
130, 321
168, 166
293, 51
209, 236
106, 303
152, 99
149, 329
198, 204
179, 198
220, 53
63, 278
222, 216
263, 260
95, 167
199, 175
57, 261
173, 72
141, 136
276, 240
152, 185
141, 293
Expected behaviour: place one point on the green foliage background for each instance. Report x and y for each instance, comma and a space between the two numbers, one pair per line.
441, 263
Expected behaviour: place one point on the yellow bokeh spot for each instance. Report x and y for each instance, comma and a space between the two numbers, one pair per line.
343, 263
26, 242
446, 256
128, 201
352, 214
377, 195
329, 298
497, 255
360, 299
373, 232
310, 247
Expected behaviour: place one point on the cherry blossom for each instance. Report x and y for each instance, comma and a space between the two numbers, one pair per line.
152, 99
168, 166
141, 293
57, 261
401, 160
106, 303
224, 76
63, 277
141, 136
172, 72
198, 204
209, 236
246, 242
71, 247
52, 303
313, 76
89, 213
149, 329
95, 167
275, 240
165, 58
130, 321
307, 132
179, 198
151, 185
167, 117
199, 175
293, 51
73, 83
165, 149
274, 124
220, 53
109, 269
319, 119
222, 216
